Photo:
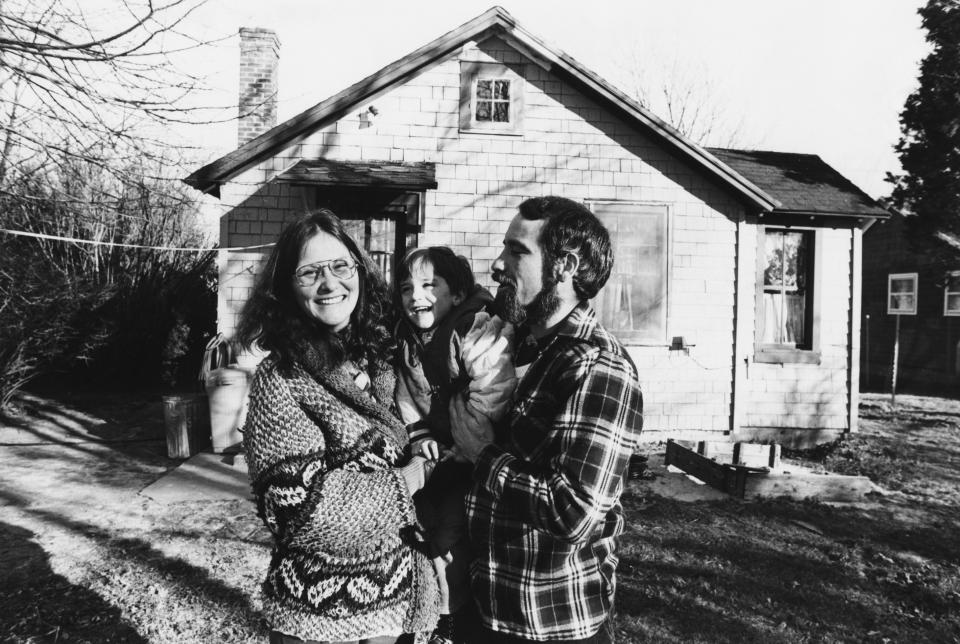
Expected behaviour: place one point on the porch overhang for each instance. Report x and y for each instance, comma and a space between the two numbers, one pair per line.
391, 175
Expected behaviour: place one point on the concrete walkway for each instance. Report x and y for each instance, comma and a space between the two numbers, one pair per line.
203, 477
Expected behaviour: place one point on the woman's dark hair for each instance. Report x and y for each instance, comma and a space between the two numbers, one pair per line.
273, 318
570, 227
453, 268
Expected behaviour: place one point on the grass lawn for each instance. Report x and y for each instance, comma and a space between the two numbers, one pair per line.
787, 571
84, 558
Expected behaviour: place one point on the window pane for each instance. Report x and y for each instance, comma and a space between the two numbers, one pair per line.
782, 319
901, 285
792, 264
795, 314
484, 89
501, 112
501, 89
786, 260
483, 110
773, 273
953, 303
901, 301
953, 283
632, 305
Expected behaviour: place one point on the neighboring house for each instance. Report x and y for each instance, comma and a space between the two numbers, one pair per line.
929, 347
736, 283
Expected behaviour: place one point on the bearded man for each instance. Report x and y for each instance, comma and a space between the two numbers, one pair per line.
544, 510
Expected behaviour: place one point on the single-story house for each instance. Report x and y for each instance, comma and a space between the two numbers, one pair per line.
902, 281
737, 279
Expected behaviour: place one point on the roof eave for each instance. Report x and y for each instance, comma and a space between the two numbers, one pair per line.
781, 216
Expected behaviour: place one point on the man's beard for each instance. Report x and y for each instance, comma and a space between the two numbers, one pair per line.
544, 304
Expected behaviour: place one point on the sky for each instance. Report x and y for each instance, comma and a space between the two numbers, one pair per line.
825, 77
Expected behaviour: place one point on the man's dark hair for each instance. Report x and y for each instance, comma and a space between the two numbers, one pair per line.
453, 268
570, 227
273, 318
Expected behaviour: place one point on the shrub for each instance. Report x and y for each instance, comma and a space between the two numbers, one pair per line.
106, 312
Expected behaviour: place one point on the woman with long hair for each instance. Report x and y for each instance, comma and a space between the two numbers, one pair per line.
326, 453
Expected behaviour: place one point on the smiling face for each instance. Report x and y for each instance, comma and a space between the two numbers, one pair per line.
331, 300
425, 297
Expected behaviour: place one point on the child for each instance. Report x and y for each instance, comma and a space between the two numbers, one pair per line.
447, 345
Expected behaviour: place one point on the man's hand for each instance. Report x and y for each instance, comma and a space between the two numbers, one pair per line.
471, 431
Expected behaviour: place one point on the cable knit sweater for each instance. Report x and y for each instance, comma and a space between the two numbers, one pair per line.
322, 456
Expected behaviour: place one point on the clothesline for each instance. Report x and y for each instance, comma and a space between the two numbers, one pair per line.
22, 233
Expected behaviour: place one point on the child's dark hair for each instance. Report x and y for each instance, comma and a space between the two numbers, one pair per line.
453, 268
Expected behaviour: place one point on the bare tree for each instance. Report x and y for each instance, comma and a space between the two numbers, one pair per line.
90, 204
683, 94
78, 79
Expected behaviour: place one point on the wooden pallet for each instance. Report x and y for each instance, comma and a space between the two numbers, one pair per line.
726, 477
744, 481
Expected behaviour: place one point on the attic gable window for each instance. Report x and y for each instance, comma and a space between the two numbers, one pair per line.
491, 98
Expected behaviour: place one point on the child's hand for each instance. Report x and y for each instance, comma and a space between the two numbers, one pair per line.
428, 448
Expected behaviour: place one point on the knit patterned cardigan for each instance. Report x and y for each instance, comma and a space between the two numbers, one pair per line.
322, 456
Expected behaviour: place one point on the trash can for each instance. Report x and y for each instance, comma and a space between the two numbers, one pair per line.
227, 394
187, 424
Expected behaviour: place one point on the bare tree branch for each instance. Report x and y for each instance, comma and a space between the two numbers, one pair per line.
684, 96
77, 82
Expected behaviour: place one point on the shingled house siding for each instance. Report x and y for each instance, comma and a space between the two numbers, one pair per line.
255, 212
811, 396
571, 147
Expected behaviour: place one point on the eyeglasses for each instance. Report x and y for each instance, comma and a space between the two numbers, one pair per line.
309, 274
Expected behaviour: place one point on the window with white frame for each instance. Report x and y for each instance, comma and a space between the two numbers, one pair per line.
902, 293
633, 304
491, 98
951, 294
786, 317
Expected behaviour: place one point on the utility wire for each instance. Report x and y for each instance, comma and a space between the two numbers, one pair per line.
75, 240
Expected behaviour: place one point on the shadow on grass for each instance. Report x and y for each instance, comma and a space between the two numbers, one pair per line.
182, 577
42, 606
90, 418
783, 572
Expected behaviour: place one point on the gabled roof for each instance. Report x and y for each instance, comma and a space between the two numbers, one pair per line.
803, 183
494, 22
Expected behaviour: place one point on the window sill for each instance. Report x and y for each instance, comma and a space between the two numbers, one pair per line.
483, 130
786, 356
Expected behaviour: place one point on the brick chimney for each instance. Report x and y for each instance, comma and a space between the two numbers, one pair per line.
259, 62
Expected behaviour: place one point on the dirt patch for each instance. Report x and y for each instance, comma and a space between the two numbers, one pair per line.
85, 558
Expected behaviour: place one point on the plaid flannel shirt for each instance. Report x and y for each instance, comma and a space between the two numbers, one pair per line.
544, 510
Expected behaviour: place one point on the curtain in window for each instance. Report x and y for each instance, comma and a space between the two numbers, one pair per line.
784, 289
